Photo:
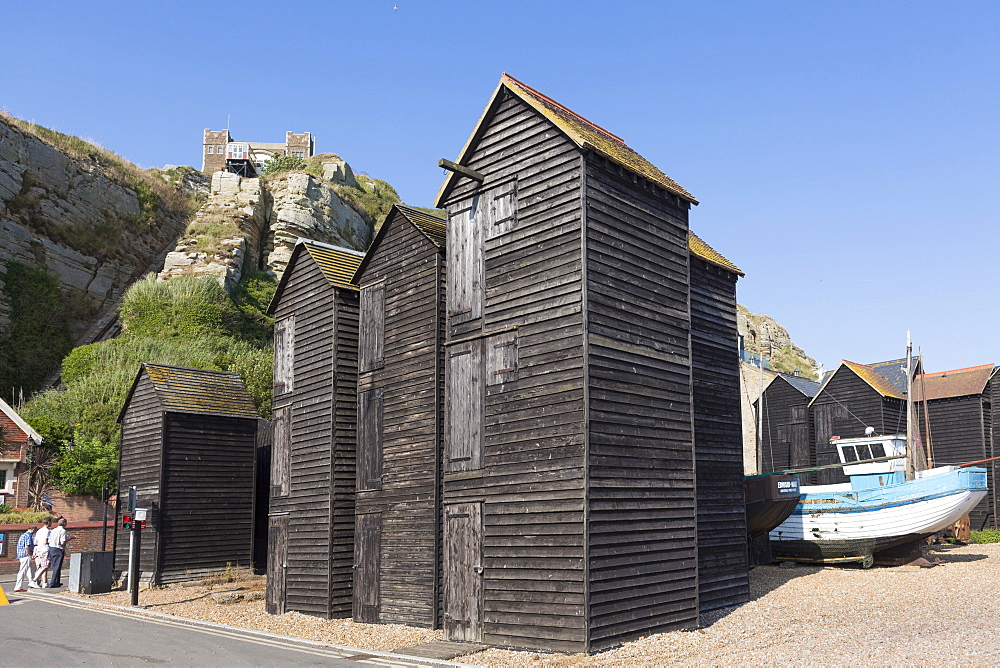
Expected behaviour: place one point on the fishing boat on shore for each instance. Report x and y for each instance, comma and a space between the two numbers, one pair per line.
879, 509
892, 501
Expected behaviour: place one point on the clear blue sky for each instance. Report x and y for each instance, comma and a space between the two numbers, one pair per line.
846, 154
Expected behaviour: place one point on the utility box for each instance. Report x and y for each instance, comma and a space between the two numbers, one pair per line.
90, 572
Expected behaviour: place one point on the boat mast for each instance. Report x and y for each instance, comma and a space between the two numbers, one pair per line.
909, 408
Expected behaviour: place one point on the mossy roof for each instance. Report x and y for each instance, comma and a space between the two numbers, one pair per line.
434, 227
184, 390
584, 133
338, 264
700, 249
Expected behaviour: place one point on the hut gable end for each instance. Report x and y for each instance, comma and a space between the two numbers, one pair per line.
399, 408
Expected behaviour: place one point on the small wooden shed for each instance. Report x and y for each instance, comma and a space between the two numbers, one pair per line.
961, 405
570, 494
400, 401
188, 445
853, 397
786, 428
311, 516
718, 429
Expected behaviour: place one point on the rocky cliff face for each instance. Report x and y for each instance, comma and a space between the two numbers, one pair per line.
85, 219
254, 223
762, 335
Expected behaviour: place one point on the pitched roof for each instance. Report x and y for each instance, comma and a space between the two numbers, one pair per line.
199, 391
873, 375
584, 133
955, 383
20, 423
338, 265
700, 249
431, 226
807, 387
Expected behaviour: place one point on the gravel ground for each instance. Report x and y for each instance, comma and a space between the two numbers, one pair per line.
803, 616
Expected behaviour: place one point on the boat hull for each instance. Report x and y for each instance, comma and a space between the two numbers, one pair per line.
833, 524
769, 501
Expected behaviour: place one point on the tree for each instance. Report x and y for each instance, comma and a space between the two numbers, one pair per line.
85, 466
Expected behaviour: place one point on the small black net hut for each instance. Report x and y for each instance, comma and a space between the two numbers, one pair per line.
852, 398
961, 407
718, 426
400, 396
311, 515
785, 427
188, 445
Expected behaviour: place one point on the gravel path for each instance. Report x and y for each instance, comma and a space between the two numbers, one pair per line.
803, 616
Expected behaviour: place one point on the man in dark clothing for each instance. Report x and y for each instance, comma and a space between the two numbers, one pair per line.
57, 550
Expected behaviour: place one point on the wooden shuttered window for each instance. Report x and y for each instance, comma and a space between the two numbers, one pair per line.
284, 355
465, 263
798, 413
464, 409
281, 452
371, 341
489, 214
369, 457
501, 358
501, 210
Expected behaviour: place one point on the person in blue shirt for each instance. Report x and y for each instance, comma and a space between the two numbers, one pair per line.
25, 548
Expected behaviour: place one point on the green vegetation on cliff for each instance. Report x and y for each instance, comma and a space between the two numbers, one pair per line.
188, 322
39, 333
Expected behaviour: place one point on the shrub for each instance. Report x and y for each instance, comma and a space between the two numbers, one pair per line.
9, 515
283, 163
39, 334
986, 536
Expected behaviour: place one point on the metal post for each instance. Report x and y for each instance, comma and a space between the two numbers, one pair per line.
133, 576
104, 524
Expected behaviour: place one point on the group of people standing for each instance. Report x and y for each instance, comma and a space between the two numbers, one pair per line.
41, 550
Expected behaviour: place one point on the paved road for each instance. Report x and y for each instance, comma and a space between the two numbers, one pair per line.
47, 630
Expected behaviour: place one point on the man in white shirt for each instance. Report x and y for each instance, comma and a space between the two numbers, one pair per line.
41, 554
57, 550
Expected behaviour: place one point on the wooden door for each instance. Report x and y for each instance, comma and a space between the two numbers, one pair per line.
277, 563
367, 557
463, 571
800, 446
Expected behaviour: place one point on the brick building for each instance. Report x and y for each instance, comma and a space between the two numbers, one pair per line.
16, 436
214, 149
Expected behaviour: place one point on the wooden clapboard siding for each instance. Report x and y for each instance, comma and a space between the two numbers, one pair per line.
531, 482
342, 473
207, 498
785, 428
642, 515
321, 410
718, 438
407, 265
139, 465
959, 434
